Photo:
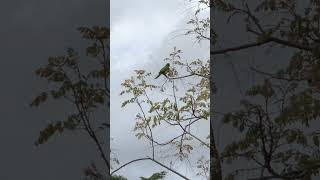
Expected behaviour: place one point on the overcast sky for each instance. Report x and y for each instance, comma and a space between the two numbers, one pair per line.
143, 33
30, 32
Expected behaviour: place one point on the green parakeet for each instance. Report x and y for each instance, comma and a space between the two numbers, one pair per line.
164, 70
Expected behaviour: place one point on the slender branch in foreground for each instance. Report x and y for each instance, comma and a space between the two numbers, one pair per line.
148, 158
267, 40
264, 178
185, 76
241, 47
130, 162
282, 42
181, 77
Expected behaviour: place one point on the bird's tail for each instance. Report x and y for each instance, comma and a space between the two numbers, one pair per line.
157, 76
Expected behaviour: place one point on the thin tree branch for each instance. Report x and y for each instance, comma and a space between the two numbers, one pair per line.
151, 159
241, 47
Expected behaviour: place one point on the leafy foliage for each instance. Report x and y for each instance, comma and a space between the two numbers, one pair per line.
184, 110
156, 176
118, 178
86, 89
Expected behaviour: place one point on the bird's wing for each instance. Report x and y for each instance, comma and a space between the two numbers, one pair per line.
164, 69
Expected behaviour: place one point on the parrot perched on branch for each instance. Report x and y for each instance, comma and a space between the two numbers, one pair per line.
164, 70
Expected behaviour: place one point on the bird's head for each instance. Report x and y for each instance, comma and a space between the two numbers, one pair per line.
168, 64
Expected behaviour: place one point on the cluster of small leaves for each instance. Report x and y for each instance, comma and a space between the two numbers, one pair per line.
296, 25
184, 147
303, 108
200, 25
192, 106
272, 5
203, 166
306, 167
56, 64
39, 99
196, 102
222, 5
156, 176
118, 177
92, 173
310, 166
70, 124
200, 29
243, 148
85, 90
99, 37
95, 33
263, 131
206, 3
199, 94
200, 67
136, 86
266, 90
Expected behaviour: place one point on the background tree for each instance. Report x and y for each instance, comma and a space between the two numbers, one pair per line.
277, 123
86, 89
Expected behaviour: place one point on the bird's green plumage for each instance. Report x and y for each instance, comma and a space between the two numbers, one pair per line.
164, 70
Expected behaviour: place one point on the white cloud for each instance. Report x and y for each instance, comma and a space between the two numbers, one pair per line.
140, 30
